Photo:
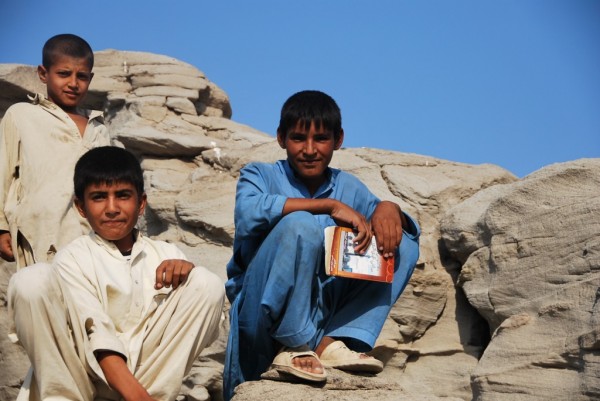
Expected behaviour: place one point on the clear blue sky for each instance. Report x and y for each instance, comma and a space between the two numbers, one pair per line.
513, 82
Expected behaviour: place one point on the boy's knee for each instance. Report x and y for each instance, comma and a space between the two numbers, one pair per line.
207, 285
32, 283
301, 225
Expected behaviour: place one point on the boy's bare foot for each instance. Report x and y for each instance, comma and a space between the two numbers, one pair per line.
309, 364
300, 362
328, 340
334, 354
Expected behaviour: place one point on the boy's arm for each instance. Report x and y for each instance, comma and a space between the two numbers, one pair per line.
9, 150
86, 300
120, 378
387, 223
341, 213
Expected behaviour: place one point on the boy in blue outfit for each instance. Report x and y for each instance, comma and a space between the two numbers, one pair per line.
286, 313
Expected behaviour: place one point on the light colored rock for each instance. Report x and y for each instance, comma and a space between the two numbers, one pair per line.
146, 61
207, 205
533, 273
216, 99
13, 360
169, 79
181, 105
340, 386
166, 91
150, 141
103, 84
149, 111
19, 80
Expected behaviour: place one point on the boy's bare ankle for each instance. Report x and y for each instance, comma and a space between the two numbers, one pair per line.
323, 344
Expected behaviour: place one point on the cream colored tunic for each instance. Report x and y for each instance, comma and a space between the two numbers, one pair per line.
110, 303
39, 146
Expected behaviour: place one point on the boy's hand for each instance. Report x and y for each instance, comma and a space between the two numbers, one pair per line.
172, 272
387, 222
119, 377
6, 251
344, 215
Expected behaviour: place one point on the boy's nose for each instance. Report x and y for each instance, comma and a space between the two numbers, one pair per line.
73, 81
309, 148
112, 206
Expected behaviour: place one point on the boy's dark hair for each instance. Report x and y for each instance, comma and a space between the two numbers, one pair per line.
66, 44
311, 106
107, 165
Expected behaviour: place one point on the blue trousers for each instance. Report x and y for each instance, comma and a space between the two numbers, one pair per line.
288, 300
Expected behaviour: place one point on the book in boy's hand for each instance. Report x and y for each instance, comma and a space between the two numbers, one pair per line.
341, 260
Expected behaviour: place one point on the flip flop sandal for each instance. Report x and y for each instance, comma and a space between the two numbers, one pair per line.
283, 364
337, 355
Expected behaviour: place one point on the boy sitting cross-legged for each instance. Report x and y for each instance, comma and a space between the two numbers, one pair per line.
118, 315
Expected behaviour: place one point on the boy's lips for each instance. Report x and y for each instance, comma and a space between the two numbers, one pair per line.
111, 223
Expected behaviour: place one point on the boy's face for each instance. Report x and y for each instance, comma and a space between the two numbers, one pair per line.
309, 152
67, 81
112, 211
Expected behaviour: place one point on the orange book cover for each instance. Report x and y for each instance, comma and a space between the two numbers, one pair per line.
342, 261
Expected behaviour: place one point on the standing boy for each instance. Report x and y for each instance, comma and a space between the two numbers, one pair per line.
286, 312
117, 316
39, 145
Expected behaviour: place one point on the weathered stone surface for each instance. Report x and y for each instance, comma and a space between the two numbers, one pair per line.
13, 360
339, 386
502, 304
151, 141
181, 105
206, 204
169, 79
16, 82
533, 272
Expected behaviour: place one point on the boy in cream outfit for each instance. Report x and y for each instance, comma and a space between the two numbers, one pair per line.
117, 315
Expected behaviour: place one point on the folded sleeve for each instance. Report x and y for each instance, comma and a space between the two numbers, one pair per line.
9, 152
86, 298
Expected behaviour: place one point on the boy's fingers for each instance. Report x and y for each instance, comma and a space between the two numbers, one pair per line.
362, 240
161, 274
168, 276
177, 275
5, 248
172, 273
388, 238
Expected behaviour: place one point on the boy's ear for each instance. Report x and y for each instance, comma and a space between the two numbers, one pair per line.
42, 73
80, 207
340, 140
281, 139
143, 202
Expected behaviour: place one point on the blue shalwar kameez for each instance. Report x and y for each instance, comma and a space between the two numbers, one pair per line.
278, 289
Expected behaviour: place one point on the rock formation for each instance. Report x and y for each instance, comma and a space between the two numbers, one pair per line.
502, 304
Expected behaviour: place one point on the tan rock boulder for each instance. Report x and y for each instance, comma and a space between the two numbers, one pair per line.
531, 254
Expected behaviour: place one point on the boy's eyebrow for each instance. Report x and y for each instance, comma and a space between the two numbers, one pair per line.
95, 193
294, 132
120, 191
